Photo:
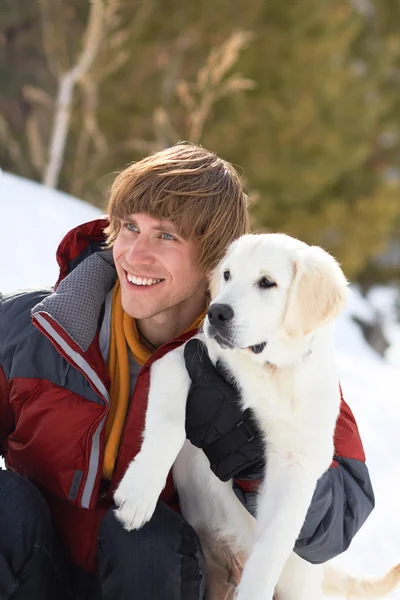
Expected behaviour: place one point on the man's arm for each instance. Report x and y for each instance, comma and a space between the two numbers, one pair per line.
343, 497
342, 501
6, 413
228, 436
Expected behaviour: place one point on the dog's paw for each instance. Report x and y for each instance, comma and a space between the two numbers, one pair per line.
136, 500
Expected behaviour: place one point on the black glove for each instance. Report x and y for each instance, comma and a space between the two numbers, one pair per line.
215, 422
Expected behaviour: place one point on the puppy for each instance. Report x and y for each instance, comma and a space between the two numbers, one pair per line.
274, 300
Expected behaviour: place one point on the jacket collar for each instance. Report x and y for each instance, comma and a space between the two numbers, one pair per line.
76, 303
78, 244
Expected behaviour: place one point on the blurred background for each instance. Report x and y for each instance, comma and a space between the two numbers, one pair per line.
302, 96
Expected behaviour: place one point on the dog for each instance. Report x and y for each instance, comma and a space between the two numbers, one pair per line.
274, 300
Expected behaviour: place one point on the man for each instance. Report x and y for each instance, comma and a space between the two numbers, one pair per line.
74, 379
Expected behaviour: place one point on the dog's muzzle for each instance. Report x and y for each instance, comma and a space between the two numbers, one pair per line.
220, 318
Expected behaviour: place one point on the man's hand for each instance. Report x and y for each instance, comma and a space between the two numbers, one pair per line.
215, 422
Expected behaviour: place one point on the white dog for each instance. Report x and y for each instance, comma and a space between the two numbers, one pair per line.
274, 300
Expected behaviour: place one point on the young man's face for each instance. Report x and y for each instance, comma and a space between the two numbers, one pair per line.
157, 269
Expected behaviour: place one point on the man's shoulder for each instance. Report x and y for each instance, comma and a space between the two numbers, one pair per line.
22, 300
15, 312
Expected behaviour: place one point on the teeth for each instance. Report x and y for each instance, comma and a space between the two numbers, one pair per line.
142, 280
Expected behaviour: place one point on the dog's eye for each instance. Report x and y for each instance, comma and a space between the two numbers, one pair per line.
265, 283
227, 275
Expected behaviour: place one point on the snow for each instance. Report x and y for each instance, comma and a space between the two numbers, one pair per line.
371, 387
37, 218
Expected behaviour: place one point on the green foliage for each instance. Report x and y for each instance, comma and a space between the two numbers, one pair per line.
302, 96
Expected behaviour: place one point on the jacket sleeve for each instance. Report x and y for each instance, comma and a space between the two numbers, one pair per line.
6, 413
342, 501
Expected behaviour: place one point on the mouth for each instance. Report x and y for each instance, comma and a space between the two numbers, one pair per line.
258, 348
142, 282
221, 341
213, 333
224, 343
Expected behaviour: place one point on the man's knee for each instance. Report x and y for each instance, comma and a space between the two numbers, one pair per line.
155, 536
24, 525
164, 554
23, 509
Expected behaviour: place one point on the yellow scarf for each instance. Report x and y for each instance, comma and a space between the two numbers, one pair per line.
124, 333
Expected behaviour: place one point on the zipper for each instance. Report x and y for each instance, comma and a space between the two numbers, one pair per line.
96, 424
105, 399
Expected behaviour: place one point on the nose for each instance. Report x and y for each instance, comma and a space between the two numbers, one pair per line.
140, 251
219, 315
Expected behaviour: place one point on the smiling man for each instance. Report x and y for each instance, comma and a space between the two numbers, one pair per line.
74, 377
161, 281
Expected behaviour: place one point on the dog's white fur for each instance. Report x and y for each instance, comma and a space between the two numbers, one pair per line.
292, 387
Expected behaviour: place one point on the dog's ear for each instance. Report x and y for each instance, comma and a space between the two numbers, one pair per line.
317, 294
214, 282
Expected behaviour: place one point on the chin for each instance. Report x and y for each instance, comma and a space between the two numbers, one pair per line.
136, 312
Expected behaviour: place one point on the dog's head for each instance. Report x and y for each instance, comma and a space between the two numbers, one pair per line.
272, 287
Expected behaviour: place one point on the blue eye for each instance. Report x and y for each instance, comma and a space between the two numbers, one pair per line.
130, 227
168, 236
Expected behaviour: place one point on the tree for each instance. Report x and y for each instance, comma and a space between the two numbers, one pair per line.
301, 96
324, 108
67, 82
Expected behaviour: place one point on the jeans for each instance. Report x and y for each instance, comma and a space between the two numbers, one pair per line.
160, 561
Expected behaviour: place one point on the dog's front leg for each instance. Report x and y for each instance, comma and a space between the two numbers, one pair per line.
137, 494
283, 504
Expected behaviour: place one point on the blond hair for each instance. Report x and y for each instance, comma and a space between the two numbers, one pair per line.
195, 189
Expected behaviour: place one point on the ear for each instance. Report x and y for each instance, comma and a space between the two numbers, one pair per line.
317, 294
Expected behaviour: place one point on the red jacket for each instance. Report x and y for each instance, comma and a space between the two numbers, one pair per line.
54, 394
54, 401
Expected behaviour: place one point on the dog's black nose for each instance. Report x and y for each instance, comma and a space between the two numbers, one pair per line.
220, 315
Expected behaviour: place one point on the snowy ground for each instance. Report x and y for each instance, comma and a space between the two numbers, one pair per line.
372, 388
37, 218
34, 220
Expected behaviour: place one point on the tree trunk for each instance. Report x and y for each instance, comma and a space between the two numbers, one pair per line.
66, 87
